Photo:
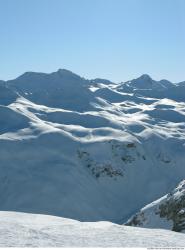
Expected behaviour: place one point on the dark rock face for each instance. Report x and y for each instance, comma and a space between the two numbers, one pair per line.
170, 209
174, 208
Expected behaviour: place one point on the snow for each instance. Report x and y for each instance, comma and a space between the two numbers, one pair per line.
153, 215
70, 150
34, 230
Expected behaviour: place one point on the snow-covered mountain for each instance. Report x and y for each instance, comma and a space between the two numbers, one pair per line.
33, 230
145, 85
167, 212
89, 149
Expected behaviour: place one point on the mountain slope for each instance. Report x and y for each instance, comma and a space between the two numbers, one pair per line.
33, 230
146, 86
54, 89
74, 148
167, 212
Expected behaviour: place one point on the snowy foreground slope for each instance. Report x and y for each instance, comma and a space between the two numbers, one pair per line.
31, 230
89, 149
167, 212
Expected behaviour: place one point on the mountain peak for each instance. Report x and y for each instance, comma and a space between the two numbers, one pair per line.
145, 77
29, 75
67, 73
100, 80
64, 71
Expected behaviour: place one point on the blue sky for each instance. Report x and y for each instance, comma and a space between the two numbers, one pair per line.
114, 39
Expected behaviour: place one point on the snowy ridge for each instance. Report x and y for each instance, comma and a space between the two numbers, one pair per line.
88, 145
33, 230
167, 212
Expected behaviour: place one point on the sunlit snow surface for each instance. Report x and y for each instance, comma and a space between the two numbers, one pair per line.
31, 230
89, 150
168, 212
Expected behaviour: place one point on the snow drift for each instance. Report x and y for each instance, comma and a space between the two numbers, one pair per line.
33, 230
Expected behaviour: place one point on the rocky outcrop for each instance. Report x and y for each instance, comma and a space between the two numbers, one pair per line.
167, 212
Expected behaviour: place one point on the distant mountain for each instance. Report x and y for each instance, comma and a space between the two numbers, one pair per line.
146, 86
58, 89
145, 82
89, 149
7, 96
101, 81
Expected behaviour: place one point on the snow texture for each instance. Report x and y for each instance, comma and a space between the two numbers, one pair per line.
33, 230
167, 212
89, 149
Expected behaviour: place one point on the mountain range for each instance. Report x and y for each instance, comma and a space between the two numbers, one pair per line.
90, 150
